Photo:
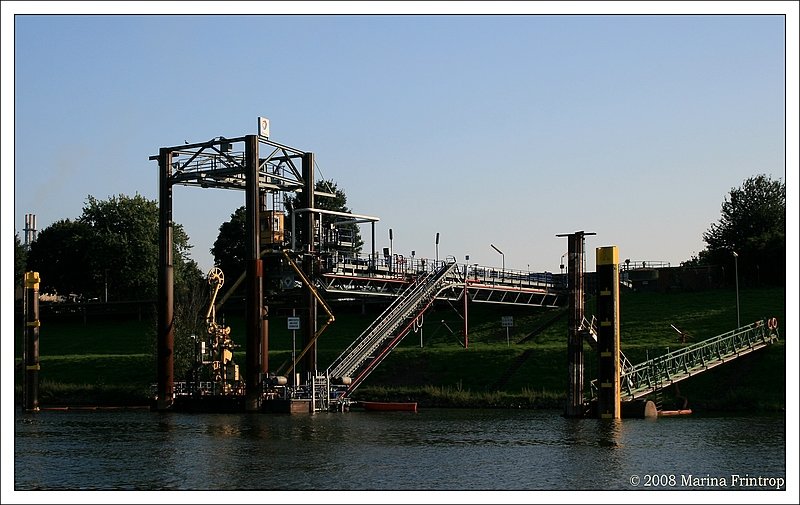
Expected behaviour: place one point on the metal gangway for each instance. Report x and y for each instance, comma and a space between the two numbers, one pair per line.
385, 333
370, 277
657, 373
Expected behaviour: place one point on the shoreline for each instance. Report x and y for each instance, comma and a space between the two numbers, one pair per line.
102, 401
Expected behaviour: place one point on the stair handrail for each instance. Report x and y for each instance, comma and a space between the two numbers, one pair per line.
392, 317
369, 338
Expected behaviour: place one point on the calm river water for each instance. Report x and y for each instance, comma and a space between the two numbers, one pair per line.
434, 449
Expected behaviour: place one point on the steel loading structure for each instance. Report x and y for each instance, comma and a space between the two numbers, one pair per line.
237, 163
261, 168
307, 257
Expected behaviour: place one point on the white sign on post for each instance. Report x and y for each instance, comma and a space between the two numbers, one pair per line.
293, 323
507, 322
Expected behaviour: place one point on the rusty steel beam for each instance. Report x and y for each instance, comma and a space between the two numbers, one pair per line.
575, 368
254, 297
166, 319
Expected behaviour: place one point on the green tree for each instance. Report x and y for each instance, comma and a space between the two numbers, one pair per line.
125, 243
229, 249
61, 255
113, 246
753, 224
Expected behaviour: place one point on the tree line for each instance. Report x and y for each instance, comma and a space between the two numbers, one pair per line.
110, 252
752, 225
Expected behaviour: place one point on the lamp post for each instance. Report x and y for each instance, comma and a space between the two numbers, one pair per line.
736, 271
503, 275
391, 257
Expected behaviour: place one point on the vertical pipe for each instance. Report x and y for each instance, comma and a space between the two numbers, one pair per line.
608, 395
466, 311
265, 340
574, 407
264, 348
309, 364
254, 298
30, 392
166, 320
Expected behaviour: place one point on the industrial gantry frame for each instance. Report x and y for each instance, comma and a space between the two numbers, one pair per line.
262, 167
259, 166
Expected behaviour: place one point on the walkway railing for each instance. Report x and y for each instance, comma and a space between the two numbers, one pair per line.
662, 371
375, 343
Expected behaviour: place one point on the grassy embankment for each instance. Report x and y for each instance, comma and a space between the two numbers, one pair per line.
111, 362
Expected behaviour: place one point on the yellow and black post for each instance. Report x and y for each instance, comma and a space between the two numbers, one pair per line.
30, 390
608, 396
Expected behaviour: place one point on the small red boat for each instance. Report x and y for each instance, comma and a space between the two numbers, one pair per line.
389, 406
681, 412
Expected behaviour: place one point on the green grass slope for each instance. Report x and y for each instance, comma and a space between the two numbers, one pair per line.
108, 361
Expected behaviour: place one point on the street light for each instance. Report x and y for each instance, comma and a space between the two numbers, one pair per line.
736, 269
504, 260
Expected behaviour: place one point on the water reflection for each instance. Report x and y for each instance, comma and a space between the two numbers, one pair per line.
436, 449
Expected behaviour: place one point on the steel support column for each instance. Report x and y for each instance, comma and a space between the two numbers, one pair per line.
574, 406
30, 390
255, 300
309, 363
608, 395
166, 310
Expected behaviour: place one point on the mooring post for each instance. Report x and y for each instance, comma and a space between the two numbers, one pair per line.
608, 371
574, 405
254, 314
30, 391
166, 306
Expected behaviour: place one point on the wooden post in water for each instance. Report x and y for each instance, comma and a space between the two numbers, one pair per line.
30, 391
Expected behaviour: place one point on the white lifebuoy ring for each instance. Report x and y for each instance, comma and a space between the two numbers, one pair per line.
772, 324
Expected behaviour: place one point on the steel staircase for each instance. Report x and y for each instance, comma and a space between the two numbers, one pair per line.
655, 374
386, 332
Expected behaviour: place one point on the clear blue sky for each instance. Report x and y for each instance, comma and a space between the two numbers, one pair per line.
489, 129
